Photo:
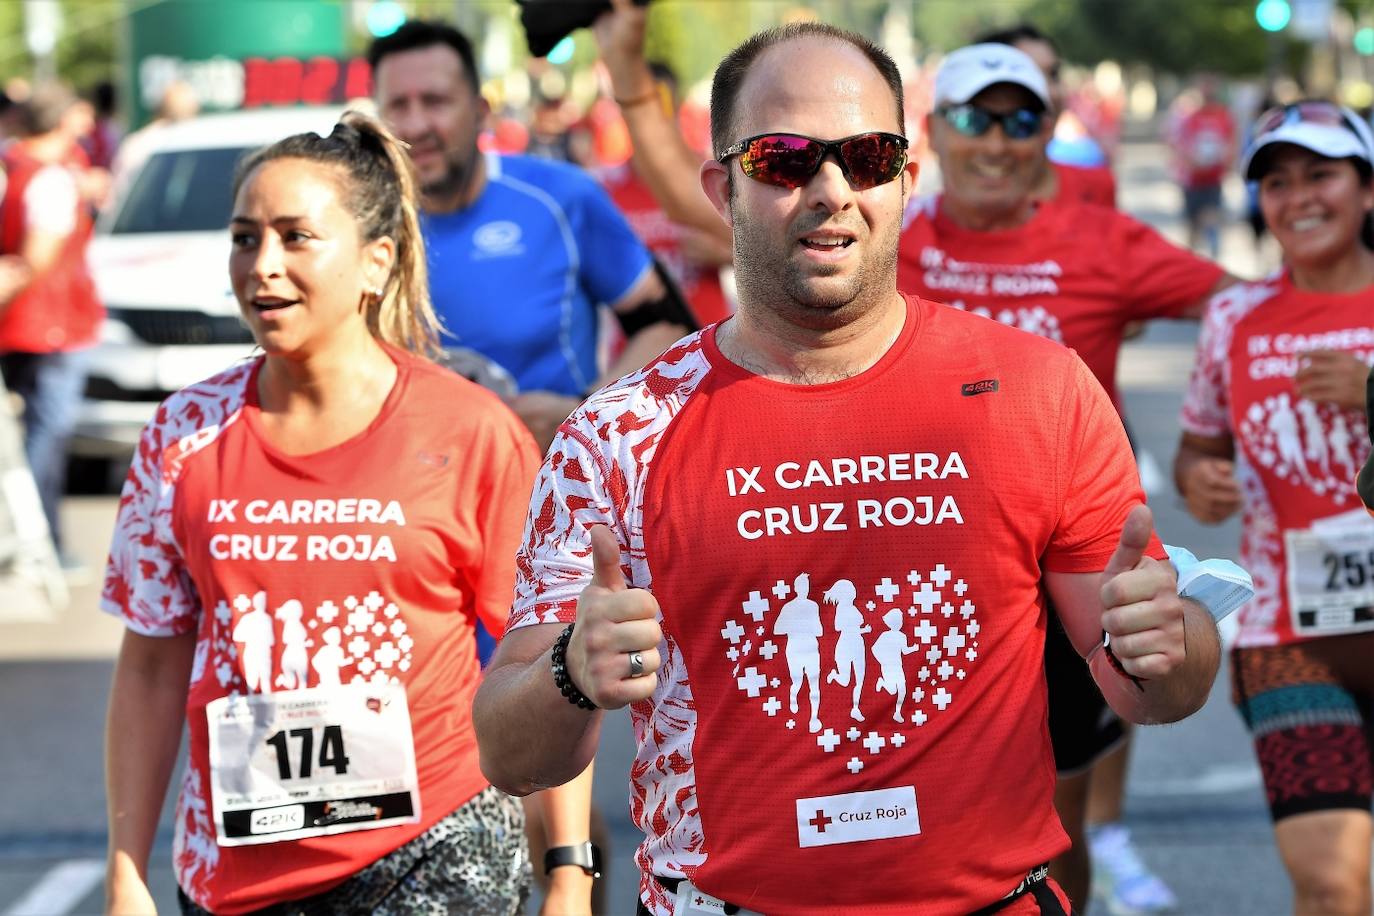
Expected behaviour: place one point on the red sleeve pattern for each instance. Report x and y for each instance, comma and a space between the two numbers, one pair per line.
1207, 403
146, 581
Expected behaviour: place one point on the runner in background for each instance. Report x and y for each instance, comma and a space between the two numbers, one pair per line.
49, 322
692, 256
305, 542
1075, 273
1273, 425
1069, 172
1202, 137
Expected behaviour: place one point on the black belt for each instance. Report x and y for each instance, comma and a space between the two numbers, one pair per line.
672, 884
1035, 883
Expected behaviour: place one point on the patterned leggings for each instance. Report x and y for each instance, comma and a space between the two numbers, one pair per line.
473, 861
1310, 708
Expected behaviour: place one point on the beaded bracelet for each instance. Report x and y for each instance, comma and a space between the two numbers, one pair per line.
561, 679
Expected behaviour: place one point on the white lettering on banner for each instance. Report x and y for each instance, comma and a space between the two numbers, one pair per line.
853, 817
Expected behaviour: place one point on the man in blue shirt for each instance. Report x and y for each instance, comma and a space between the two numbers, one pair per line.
522, 252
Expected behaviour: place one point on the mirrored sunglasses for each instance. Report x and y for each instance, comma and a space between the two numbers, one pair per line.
1325, 114
790, 160
973, 121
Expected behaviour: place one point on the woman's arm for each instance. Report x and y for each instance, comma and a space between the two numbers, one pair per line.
142, 737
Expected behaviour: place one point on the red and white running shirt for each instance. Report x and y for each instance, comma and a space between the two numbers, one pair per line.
368, 562
876, 543
1296, 460
1075, 274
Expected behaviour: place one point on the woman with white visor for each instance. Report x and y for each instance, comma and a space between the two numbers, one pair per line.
1274, 426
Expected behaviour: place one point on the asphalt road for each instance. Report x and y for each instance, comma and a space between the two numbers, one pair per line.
1194, 800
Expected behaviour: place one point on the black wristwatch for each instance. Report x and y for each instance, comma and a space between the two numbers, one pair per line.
586, 856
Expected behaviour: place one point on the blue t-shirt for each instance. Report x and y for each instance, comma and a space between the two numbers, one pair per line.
519, 275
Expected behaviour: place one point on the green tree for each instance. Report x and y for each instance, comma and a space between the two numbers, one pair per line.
1173, 36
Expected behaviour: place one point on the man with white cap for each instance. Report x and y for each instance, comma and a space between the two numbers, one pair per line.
946, 469
1074, 273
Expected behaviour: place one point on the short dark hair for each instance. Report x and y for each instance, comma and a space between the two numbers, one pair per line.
725, 86
1022, 31
425, 33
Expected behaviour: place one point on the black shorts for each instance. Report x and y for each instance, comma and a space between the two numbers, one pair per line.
1083, 727
1197, 201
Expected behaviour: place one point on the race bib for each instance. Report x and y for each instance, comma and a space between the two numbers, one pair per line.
303, 763
1331, 575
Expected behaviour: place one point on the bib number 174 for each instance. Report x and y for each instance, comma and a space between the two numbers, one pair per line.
331, 754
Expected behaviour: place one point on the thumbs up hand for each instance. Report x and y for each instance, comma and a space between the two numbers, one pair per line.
1143, 615
616, 626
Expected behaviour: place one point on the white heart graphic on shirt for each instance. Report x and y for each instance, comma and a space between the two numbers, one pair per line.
920, 631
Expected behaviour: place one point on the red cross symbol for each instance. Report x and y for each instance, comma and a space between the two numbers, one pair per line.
820, 821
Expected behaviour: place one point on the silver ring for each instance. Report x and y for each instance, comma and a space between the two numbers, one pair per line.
636, 665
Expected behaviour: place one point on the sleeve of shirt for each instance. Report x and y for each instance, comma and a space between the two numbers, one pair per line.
1206, 404
1159, 279
146, 580
1099, 483
50, 202
513, 460
576, 488
612, 256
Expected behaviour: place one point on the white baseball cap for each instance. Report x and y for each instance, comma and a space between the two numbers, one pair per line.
1323, 127
971, 69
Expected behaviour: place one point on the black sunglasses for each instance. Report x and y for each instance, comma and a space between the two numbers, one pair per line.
972, 121
790, 160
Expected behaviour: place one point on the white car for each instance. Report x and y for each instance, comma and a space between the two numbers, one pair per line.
160, 259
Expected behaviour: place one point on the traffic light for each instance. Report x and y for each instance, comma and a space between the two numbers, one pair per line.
385, 17
1364, 40
1273, 15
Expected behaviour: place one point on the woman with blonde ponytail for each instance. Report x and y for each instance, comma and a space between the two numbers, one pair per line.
304, 544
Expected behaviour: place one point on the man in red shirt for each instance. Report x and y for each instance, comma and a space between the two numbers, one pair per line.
1075, 273
833, 438
1204, 145
47, 324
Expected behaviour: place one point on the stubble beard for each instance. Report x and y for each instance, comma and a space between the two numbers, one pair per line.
454, 184
770, 279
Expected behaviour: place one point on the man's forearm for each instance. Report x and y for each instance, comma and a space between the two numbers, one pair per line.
1173, 697
530, 736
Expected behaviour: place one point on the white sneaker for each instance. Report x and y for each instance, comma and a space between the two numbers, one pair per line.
1124, 882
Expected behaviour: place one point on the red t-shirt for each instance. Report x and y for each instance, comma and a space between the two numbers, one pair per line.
1075, 274
1085, 184
1204, 142
366, 563
1296, 459
700, 283
888, 532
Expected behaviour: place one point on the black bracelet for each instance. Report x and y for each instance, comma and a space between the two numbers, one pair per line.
561, 679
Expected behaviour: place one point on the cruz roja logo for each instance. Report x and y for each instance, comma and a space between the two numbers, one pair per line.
875, 815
